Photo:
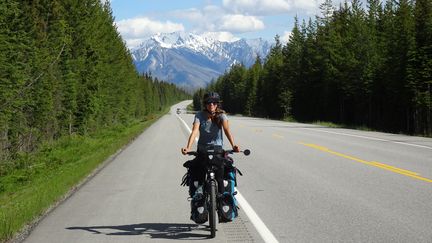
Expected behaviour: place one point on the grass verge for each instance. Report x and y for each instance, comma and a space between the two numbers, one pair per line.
27, 193
334, 125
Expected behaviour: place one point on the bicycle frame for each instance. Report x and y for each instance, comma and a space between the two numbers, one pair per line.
211, 184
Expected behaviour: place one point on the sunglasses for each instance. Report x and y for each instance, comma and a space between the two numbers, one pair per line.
214, 103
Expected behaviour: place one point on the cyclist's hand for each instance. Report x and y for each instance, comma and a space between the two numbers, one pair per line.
236, 148
184, 151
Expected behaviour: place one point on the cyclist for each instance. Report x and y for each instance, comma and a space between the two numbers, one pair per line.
209, 124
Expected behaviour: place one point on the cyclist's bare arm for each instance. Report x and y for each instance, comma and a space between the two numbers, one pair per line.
192, 136
228, 134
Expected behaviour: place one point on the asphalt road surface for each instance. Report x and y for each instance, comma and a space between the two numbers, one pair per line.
306, 183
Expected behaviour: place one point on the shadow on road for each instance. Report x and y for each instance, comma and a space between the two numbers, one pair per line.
154, 230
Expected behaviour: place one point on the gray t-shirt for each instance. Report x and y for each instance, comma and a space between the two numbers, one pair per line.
210, 133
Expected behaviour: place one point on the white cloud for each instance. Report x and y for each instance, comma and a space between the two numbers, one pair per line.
257, 7
139, 27
132, 43
221, 21
285, 37
201, 20
308, 5
241, 23
221, 36
215, 19
134, 31
271, 7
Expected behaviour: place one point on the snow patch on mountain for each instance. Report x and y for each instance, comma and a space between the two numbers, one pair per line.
192, 61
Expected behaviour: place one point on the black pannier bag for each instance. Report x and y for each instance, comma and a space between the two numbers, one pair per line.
199, 211
228, 206
227, 203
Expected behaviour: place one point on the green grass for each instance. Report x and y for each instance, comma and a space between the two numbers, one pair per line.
289, 119
334, 125
327, 124
47, 175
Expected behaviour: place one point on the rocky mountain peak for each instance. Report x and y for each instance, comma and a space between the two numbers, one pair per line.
192, 61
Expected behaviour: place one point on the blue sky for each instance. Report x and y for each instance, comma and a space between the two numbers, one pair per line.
225, 20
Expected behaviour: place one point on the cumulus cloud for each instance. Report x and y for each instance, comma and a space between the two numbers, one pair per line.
221, 21
134, 42
240, 23
221, 36
271, 7
310, 6
285, 37
257, 7
217, 19
139, 27
205, 19
134, 31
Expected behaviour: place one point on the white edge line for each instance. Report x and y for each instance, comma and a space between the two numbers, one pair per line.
370, 138
262, 229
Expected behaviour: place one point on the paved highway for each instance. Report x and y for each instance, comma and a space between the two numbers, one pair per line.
306, 183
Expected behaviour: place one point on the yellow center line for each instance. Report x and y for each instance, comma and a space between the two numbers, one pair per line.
371, 163
389, 167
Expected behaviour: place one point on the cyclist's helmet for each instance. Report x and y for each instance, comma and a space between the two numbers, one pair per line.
211, 97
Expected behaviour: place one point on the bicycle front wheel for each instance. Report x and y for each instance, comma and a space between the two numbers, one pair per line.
212, 209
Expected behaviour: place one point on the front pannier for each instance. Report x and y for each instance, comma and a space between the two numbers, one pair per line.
228, 206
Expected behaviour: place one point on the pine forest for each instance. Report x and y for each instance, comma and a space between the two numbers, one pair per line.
367, 66
64, 69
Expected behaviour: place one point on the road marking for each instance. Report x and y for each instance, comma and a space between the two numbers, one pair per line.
371, 163
262, 229
255, 219
370, 138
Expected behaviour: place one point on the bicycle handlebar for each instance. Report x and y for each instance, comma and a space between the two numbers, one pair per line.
245, 152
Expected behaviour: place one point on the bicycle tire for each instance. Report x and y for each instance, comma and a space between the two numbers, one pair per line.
212, 209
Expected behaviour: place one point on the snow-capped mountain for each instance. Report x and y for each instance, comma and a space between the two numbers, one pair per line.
192, 61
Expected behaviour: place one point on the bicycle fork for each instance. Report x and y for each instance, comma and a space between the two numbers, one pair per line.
212, 203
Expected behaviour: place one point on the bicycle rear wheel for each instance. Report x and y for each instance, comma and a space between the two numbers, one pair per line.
212, 209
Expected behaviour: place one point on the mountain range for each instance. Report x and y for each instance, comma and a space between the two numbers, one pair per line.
192, 61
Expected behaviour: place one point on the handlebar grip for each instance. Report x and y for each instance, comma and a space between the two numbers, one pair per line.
245, 152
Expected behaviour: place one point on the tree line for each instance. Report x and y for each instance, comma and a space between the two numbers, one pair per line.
354, 65
64, 69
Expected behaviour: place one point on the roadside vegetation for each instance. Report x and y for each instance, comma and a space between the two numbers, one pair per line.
45, 176
70, 97
360, 66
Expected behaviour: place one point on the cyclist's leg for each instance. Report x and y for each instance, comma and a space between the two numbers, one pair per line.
199, 212
220, 174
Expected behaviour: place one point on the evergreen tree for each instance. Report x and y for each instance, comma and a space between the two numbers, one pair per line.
64, 69
272, 76
351, 65
420, 67
253, 77
292, 66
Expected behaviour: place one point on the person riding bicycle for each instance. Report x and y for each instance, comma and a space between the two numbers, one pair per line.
209, 124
